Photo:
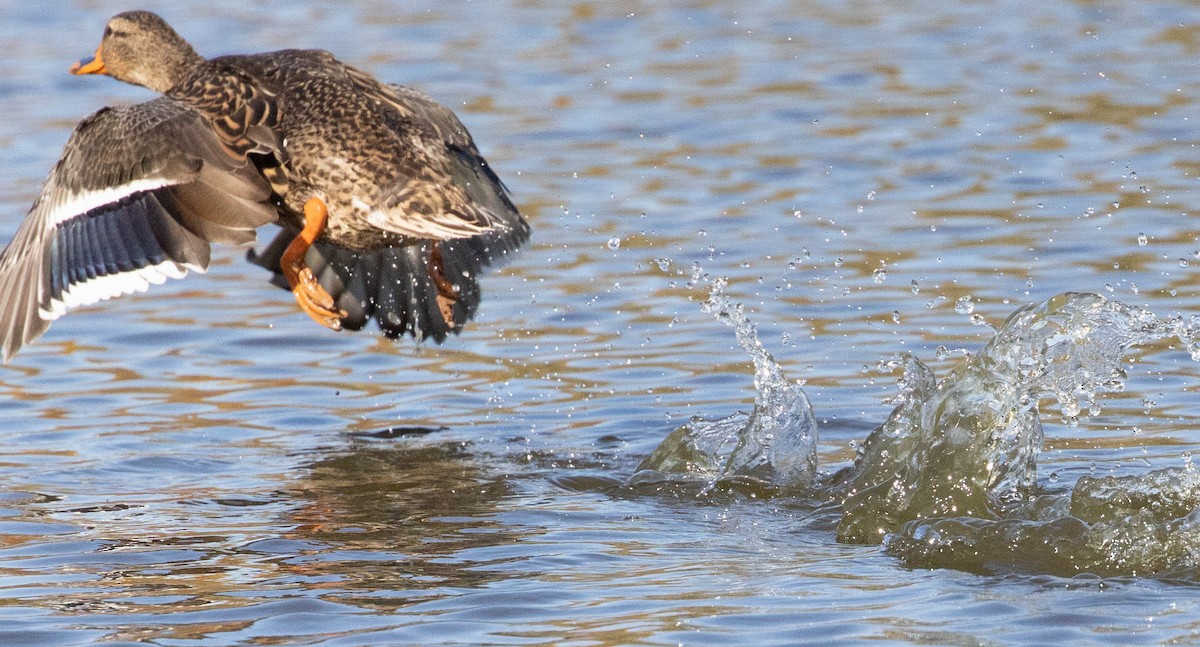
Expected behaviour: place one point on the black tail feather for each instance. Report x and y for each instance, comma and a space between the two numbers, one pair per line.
399, 286
362, 288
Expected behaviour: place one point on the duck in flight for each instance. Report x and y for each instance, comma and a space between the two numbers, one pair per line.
386, 208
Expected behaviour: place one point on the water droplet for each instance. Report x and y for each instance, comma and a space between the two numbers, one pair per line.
664, 264
915, 288
1183, 262
614, 243
1141, 240
880, 275
838, 263
964, 305
896, 316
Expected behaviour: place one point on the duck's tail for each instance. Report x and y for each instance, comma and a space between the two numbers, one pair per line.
424, 288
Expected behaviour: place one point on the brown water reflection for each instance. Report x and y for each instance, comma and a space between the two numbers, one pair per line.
395, 519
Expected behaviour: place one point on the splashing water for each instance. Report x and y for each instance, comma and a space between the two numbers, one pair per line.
773, 448
968, 445
950, 478
1146, 525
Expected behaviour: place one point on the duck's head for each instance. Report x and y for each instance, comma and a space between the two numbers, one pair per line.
139, 47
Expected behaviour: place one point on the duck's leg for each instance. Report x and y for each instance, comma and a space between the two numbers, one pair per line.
447, 294
313, 298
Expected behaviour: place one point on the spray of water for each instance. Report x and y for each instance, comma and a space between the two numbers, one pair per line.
772, 448
968, 445
950, 478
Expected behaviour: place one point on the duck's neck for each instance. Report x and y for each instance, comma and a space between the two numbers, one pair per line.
174, 66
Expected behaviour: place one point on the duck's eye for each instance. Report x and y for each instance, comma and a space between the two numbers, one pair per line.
107, 31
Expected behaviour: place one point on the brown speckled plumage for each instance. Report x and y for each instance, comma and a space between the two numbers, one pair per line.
414, 211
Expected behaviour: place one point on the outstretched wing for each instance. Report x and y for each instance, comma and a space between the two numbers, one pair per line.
138, 195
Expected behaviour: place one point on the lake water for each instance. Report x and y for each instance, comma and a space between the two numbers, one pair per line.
203, 465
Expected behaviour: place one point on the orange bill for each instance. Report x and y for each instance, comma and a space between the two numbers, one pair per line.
90, 65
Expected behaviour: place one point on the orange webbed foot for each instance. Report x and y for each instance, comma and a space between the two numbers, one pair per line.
314, 300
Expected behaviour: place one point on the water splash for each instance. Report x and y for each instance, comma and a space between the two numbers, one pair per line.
772, 448
1146, 525
950, 478
968, 446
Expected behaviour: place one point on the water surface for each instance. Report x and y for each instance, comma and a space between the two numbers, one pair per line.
203, 465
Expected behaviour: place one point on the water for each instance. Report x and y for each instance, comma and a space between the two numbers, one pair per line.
202, 465
772, 447
950, 478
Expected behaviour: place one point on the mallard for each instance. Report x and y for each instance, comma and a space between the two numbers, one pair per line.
387, 209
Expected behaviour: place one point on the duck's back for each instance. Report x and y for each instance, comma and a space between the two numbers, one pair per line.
390, 161
414, 209
335, 134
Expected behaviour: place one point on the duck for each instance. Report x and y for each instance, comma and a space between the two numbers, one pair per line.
386, 209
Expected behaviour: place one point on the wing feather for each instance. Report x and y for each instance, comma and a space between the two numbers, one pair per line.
137, 196
449, 192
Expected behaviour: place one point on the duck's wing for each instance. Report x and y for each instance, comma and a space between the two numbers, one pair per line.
447, 190
139, 193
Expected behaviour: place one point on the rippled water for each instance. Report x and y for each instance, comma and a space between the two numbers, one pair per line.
203, 465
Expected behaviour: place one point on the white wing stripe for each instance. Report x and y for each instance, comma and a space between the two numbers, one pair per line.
112, 285
74, 204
